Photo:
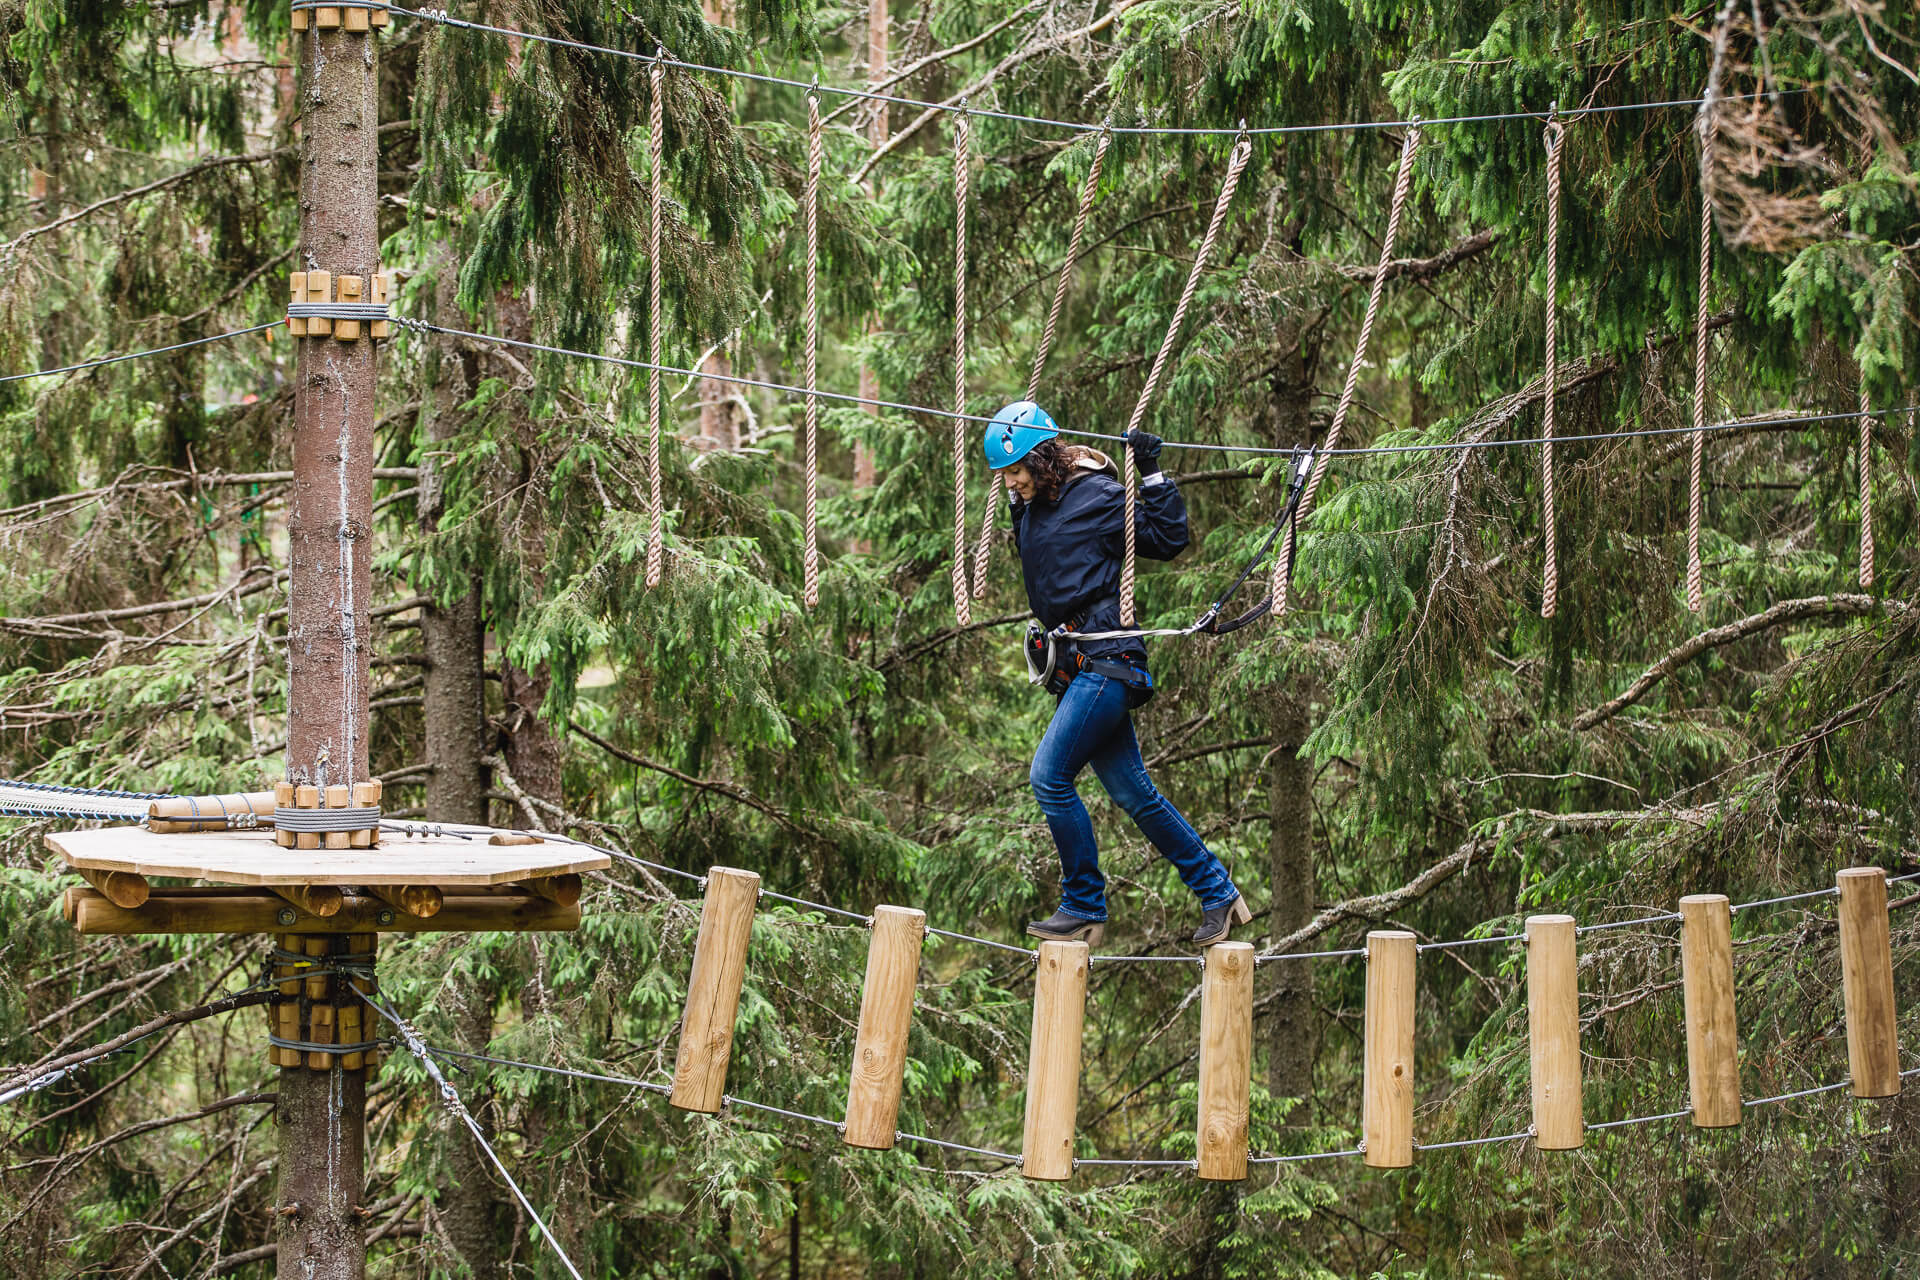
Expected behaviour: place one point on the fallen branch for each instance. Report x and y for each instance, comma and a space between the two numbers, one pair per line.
1786, 611
179, 1017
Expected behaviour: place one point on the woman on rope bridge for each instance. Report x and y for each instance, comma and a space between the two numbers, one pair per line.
1069, 514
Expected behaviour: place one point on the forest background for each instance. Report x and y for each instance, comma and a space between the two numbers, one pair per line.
1412, 745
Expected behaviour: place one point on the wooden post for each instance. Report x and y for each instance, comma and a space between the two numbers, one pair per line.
1387, 1075
1553, 1032
713, 990
339, 797
1866, 979
306, 798
1053, 1070
1226, 1061
1706, 972
365, 796
886, 1013
349, 330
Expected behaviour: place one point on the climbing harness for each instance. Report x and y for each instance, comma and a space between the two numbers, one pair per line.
1696, 494
1236, 164
1283, 566
656, 536
962, 156
1054, 659
1549, 515
1209, 622
813, 351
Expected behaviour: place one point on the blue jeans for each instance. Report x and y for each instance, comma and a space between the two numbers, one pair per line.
1091, 726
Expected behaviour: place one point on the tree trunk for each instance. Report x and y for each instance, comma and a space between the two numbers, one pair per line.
323, 1113
1291, 1027
453, 637
478, 1221
719, 418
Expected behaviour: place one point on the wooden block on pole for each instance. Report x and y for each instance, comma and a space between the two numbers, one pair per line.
1866, 979
123, 888
1226, 1061
320, 283
351, 1033
289, 1022
283, 798
1706, 973
349, 330
1053, 1065
379, 328
365, 796
300, 24
316, 948
326, 19
1387, 1074
1553, 1033
886, 1013
297, 284
291, 944
379, 18
713, 990
320, 1031
339, 797
356, 23
306, 798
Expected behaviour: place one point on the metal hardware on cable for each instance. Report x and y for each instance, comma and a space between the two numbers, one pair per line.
1283, 565
1236, 164
339, 311
1549, 518
656, 125
962, 165
361, 819
812, 553
1696, 491
1866, 486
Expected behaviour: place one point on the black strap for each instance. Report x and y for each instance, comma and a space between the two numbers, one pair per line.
1303, 466
1124, 672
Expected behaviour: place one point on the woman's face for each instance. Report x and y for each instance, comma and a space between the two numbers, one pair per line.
1020, 480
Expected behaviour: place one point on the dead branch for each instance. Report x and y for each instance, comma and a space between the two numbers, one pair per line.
1427, 268
1786, 611
179, 1017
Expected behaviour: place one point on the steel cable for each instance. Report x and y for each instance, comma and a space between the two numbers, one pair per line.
141, 355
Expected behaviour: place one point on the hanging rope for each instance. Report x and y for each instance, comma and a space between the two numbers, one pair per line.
1696, 493
1550, 515
813, 351
983, 550
1236, 164
657, 536
962, 181
1866, 487
1283, 566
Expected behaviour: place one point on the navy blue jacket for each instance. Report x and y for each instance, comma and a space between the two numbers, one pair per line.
1070, 551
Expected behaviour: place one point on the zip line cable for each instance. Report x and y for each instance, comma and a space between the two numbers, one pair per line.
141, 355
1267, 451
410, 1039
446, 19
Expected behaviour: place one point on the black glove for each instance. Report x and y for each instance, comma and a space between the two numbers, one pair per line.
1146, 451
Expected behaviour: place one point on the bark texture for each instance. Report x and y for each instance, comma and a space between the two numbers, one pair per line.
329, 517
453, 637
1291, 1026
322, 1117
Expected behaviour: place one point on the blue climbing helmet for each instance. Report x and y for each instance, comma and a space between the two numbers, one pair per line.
1014, 431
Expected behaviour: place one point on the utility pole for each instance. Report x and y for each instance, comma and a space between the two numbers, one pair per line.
322, 1114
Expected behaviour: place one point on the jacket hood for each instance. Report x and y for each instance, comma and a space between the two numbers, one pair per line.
1087, 459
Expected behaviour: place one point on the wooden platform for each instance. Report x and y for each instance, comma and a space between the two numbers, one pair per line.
252, 858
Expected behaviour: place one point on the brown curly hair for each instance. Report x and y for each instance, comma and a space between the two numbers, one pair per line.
1050, 465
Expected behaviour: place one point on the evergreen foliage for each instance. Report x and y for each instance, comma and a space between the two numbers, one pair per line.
869, 750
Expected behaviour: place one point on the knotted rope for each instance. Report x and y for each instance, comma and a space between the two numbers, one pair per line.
983, 551
657, 536
1696, 493
813, 351
1283, 564
1550, 516
1236, 164
962, 155
1866, 487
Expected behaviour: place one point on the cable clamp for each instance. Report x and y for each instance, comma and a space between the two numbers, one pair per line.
323, 820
